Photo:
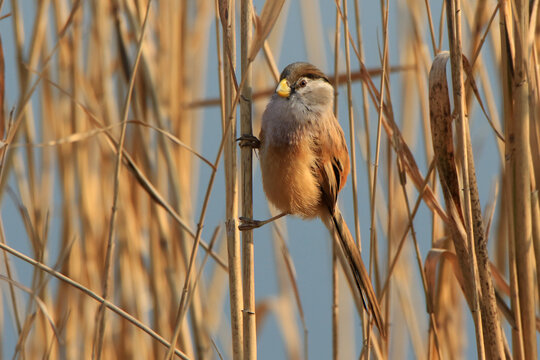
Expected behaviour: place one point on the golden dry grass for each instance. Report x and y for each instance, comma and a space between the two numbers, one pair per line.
103, 143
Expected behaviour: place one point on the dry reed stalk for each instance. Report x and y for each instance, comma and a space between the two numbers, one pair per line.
233, 239
365, 104
506, 30
454, 33
490, 328
490, 317
380, 105
268, 17
443, 147
246, 128
518, 143
352, 128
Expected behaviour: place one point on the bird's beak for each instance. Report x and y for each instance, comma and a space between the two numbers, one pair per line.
283, 89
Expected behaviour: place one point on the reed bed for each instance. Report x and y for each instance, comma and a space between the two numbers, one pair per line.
122, 180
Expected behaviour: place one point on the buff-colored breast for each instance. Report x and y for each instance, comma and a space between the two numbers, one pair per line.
288, 180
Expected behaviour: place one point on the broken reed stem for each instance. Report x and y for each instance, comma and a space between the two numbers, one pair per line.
521, 185
100, 328
249, 319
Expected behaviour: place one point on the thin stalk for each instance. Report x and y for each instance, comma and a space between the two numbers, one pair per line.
454, 33
250, 331
352, 129
365, 104
521, 187
380, 109
507, 92
233, 243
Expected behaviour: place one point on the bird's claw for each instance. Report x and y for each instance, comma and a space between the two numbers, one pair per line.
249, 140
249, 224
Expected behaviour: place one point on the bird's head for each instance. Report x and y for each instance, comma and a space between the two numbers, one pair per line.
306, 88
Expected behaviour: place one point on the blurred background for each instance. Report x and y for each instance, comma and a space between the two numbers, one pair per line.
123, 228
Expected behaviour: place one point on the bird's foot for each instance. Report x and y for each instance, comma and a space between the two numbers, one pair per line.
249, 224
249, 140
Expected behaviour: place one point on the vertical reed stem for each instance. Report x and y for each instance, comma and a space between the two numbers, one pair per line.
454, 34
519, 162
233, 238
250, 335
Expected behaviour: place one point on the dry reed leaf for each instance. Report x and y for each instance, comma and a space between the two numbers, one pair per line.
433, 258
441, 127
264, 24
499, 280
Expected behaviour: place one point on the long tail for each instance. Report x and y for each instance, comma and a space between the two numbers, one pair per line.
358, 269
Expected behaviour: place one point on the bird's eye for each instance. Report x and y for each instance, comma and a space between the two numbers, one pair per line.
302, 83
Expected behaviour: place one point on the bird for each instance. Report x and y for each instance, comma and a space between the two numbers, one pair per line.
304, 163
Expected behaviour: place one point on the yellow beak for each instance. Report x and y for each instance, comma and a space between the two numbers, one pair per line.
283, 89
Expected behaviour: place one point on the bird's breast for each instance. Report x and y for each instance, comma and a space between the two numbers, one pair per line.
288, 179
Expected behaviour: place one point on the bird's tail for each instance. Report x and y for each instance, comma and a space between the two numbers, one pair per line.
338, 226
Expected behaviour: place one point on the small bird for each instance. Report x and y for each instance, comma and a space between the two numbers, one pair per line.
305, 163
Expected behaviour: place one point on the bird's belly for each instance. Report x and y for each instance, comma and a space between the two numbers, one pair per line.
288, 180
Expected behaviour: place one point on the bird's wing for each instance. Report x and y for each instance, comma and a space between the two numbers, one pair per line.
332, 164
